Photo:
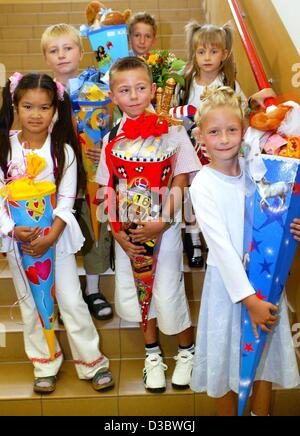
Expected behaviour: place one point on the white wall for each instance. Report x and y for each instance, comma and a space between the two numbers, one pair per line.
289, 13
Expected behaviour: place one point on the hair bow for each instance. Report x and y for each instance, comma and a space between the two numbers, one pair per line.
14, 82
60, 90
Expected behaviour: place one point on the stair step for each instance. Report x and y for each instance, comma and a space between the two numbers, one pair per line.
36, 18
193, 282
77, 6
117, 338
74, 397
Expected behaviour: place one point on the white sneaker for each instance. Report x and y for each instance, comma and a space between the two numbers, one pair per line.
154, 373
183, 370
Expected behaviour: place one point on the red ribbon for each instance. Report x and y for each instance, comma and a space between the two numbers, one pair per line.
145, 126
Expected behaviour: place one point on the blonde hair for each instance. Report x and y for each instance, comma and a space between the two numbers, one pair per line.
215, 97
58, 30
142, 17
209, 35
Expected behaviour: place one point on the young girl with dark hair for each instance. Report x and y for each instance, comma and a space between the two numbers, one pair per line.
44, 113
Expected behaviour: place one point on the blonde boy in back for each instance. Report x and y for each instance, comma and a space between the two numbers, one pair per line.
62, 48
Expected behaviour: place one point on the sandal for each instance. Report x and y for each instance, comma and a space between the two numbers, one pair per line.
96, 304
44, 385
102, 379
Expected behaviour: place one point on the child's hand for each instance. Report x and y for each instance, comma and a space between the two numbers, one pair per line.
258, 99
149, 230
130, 249
260, 314
26, 234
295, 229
94, 154
38, 247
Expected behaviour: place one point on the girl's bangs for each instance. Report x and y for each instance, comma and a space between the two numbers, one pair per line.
210, 39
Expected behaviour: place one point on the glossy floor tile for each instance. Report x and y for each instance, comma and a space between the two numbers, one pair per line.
20, 408
286, 402
16, 382
135, 400
167, 405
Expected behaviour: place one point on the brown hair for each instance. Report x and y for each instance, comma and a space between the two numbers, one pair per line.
60, 29
142, 17
126, 64
209, 34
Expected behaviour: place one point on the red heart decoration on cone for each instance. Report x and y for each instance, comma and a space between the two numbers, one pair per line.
43, 269
47, 231
32, 275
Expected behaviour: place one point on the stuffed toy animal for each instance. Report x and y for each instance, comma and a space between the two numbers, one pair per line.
269, 120
93, 13
97, 15
115, 17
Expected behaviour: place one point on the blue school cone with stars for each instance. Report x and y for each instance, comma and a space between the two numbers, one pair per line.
269, 251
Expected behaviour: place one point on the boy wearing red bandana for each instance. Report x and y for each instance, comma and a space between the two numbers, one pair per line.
132, 90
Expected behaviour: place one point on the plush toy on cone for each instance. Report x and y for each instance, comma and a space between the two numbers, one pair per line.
31, 204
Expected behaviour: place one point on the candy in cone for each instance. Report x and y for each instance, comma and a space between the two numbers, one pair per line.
93, 122
136, 202
141, 164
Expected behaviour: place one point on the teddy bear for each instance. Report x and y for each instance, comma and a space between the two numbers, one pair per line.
97, 16
93, 14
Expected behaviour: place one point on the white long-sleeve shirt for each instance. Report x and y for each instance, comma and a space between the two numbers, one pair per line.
71, 239
196, 91
218, 201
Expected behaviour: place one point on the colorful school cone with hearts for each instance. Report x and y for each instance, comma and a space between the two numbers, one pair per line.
271, 206
31, 204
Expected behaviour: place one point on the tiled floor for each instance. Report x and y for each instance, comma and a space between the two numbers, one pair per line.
74, 397
122, 342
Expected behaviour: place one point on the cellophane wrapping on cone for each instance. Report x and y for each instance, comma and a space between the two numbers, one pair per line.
93, 111
31, 204
142, 172
269, 246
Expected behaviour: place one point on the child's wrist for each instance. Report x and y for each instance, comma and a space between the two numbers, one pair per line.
51, 238
250, 301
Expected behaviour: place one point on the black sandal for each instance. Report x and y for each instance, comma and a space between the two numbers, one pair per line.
95, 308
44, 385
102, 380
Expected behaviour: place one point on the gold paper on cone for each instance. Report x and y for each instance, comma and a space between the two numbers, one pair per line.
163, 103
